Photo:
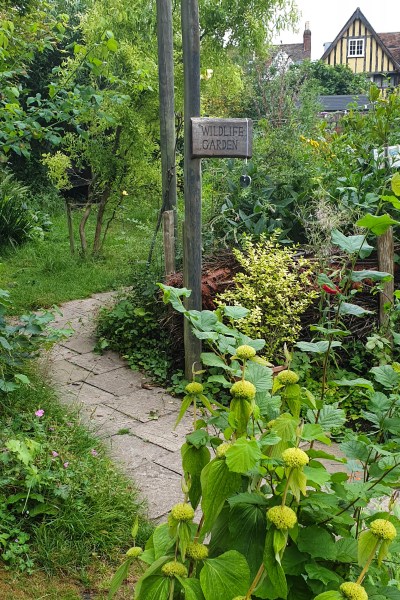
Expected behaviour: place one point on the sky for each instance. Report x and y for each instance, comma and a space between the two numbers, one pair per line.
327, 17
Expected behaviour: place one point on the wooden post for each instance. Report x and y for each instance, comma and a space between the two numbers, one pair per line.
169, 241
385, 248
192, 168
167, 126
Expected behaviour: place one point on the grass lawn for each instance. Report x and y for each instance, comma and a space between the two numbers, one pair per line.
41, 273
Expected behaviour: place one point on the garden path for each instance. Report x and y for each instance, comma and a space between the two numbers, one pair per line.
135, 419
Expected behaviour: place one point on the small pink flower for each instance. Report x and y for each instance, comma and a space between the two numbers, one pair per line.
66, 465
94, 452
39, 413
54, 453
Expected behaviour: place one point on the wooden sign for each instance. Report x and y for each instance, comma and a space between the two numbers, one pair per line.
222, 138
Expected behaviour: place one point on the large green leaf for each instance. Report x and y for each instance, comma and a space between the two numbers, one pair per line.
217, 484
317, 347
225, 577
316, 571
332, 595
366, 544
155, 587
212, 360
352, 244
247, 526
377, 225
260, 376
374, 275
162, 540
395, 184
346, 308
152, 572
236, 312
275, 575
192, 588
317, 542
386, 376
243, 455
194, 459
358, 382
330, 417
119, 577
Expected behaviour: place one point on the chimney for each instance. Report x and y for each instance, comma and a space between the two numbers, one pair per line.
307, 40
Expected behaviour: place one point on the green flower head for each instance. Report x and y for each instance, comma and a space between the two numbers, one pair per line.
287, 377
243, 390
197, 551
174, 569
182, 512
282, 517
134, 552
222, 449
245, 352
353, 591
194, 388
383, 529
295, 458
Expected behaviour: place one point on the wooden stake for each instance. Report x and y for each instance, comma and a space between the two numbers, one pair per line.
192, 168
385, 248
167, 126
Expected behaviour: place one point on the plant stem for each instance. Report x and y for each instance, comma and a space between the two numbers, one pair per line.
367, 564
256, 581
171, 589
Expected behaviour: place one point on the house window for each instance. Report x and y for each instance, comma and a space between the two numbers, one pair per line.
356, 47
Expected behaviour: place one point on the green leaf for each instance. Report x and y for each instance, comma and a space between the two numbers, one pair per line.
317, 542
332, 595
280, 541
150, 573
366, 544
346, 308
315, 571
374, 275
260, 376
198, 438
247, 527
395, 184
330, 417
22, 378
119, 577
135, 527
162, 541
186, 402
386, 376
243, 455
377, 225
225, 577
236, 312
112, 45
317, 476
395, 202
352, 244
317, 347
194, 459
358, 382
346, 550
155, 587
275, 576
219, 379
217, 484
192, 588
212, 360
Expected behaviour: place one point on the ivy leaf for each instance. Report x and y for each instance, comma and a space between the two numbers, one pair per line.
377, 225
225, 577
352, 244
395, 184
217, 484
386, 376
243, 455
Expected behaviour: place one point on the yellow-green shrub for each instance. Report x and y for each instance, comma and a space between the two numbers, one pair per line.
276, 286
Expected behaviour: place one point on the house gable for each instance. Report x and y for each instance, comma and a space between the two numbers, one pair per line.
359, 47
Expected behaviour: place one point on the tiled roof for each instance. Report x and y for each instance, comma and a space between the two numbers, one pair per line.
295, 51
341, 103
392, 42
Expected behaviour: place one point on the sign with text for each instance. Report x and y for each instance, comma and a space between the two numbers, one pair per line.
222, 138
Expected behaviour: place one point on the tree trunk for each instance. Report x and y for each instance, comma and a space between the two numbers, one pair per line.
70, 227
82, 226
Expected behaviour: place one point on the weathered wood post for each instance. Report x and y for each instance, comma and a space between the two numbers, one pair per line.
192, 168
167, 128
385, 249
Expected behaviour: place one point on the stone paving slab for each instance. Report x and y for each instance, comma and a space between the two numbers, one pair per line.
145, 405
67, 372
89, 395
162, 432
96, 363
119, 382
81, 343
160, 486
131, 451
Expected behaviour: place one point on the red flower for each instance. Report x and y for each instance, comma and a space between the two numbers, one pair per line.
331, 290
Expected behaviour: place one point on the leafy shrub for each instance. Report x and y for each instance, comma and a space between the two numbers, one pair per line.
17, 222
276, 286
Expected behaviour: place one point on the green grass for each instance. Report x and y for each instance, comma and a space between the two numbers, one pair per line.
94, 518
41, 273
